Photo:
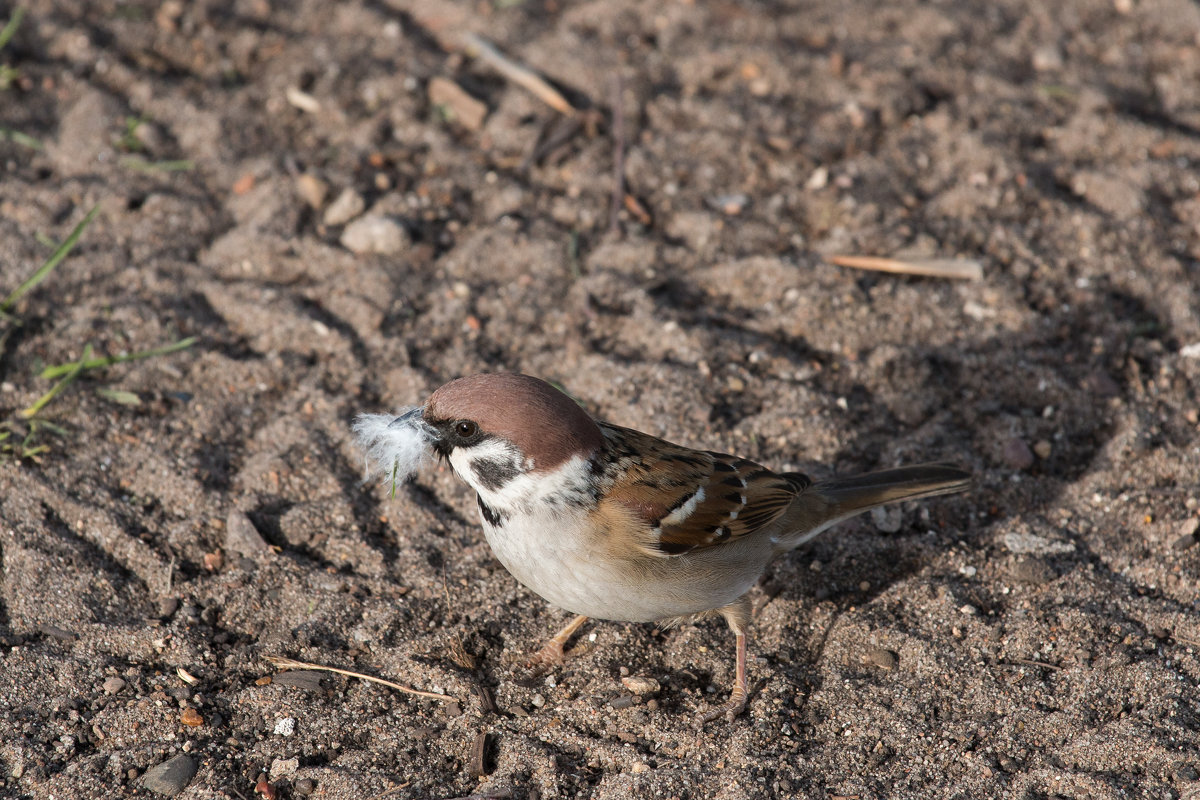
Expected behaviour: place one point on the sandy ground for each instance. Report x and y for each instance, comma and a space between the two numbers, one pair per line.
303, 189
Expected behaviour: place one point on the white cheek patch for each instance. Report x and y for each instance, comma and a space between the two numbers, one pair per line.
394, 453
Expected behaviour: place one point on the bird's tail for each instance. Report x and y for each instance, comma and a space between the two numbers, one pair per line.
828, 502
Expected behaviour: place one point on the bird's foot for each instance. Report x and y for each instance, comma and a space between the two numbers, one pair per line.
735, 705
549, 657
553, 653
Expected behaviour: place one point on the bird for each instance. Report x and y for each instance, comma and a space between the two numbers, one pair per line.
611, 523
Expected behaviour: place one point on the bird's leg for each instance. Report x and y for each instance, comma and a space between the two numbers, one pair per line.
552, 653
737, 614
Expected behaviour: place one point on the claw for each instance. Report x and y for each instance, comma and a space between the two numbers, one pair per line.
734, 706
553, 652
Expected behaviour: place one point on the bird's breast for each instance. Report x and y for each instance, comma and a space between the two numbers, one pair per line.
567, 561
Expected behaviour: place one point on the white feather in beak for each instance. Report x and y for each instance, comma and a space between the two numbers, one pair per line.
395, 447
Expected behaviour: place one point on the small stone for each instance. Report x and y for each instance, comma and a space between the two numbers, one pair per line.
887, 519
1042, 449
1113, 194
307, 679
624, 701
883, 658
284, 768
375, 233
537, 701
456, 104
348, 205
640, 766
170, 777
1047, 58
312, 190
641, 686
167, 607
304, 786
1032, 544
1016, 454
1031, 570
242, 537
191, 718
113, 685
1102, 384
285, 726
1189, 534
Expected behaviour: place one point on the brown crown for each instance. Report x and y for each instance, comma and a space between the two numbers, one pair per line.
547, 425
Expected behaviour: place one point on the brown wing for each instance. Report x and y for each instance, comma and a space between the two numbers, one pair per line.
690, 499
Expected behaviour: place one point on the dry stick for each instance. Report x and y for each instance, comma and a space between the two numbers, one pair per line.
959, 268
478, 47
618, 134
290, 663
1029, 662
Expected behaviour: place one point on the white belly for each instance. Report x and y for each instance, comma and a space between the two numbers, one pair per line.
559, 562
553, 559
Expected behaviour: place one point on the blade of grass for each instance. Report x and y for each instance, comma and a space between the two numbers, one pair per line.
21, 138
108, 361
119, 396
53, 261
142, 165
58, 387
11, 28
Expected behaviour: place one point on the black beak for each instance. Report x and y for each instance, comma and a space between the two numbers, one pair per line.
414, 418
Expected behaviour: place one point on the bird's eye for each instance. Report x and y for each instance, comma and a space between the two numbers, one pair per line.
465, 428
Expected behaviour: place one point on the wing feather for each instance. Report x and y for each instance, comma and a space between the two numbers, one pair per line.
690, 499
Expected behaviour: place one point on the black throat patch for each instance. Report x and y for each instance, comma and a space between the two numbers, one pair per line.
493, 474
490, 515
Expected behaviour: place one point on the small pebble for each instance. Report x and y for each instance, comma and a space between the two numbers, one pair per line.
284, 768
304, 786
242, 537
307, 679
641, 686
170, 777
312, 190
1016, 454
285, 726
460, 106
1042, 449
883, 658
537, 701
887, 519
375, 233
1031, 570
348, 205
167, 607
640, 766
113, 685
624, 701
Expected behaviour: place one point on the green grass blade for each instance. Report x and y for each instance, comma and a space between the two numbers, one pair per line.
58, 387
108, 361
21, 138
53, 261
11, 28
119, 396
142, 165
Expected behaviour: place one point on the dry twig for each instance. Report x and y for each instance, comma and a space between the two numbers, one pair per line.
478, 47
288, 663
958, 268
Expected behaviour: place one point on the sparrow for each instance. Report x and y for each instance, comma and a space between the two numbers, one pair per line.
611, 523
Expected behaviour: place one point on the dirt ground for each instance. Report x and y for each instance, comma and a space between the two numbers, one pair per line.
347, 209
